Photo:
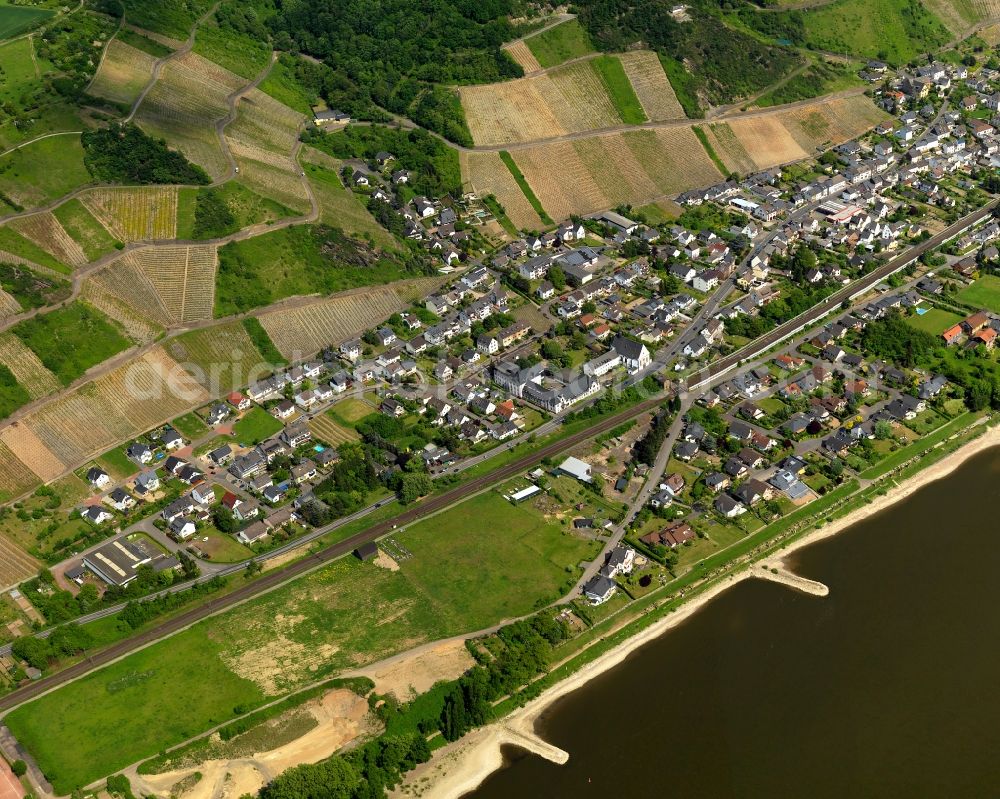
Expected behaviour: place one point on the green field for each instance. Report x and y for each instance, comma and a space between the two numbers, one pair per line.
559, 44
13, 242
282, 84
337, 618
338, 205
70, 340
246, 206
144, 43
351, 410
15, 20
173, 18
523, 183
43, 171
237, 52
892, 30
935, 321
612, 74
256, 425
90, 234
116, 463
18, 69
984, 293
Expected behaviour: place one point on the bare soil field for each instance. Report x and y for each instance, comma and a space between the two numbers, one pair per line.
522, 54
487, 174
184, 105
831, 123
146, 213
416, 672
563, 191
563, 100
44, 230
300, 331
766, 141
123, 74
26, 367
645, 73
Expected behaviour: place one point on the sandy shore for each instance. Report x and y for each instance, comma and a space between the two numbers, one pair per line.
462, 766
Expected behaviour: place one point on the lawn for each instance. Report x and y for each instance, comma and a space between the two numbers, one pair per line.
255, 426
561, 43
612, 74
984, 293
116, 464
221, 548
351, 410
339, 617
935, 321
18, 19
71, 339
190, 425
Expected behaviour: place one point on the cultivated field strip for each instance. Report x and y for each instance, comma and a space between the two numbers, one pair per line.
987, 9
522, 54
487, 174
593, 174
261, 139
8, 305
45, 230
220, 358
123, 74
16, 565
325, 429
118, 406
15, 477
656, 95
563, 100
147, 213
27, 447
729, 148
183, 279
184, 105
26, 367
298, 332
123, 293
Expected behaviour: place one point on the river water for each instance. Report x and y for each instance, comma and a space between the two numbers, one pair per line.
886, 688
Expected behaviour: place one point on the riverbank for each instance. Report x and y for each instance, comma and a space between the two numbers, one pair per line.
460, 767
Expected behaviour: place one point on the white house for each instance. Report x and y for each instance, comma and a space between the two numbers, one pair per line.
634, 354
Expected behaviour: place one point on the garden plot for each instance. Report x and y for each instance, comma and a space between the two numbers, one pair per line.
564, 100
184, 105
29, 371
123, 74
645, 73
298, 332
487, 174
728, 148
15, 476
183, 279
45, 230
148, 213
20, 440
326, 429
522, 54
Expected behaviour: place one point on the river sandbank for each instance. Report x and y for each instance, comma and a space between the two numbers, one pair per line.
461, 767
